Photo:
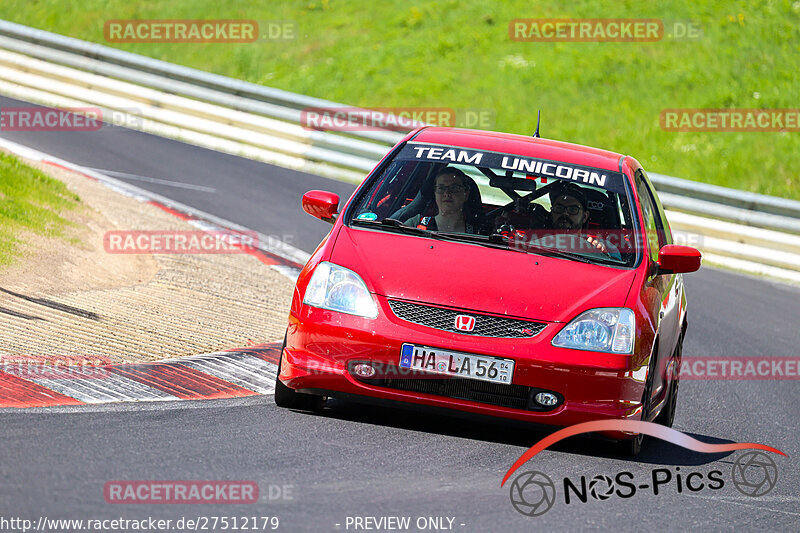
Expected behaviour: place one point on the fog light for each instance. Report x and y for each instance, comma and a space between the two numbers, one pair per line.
546, 399
364, 370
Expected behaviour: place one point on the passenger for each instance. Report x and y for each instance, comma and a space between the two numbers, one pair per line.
457, 203
568, 212
568, 207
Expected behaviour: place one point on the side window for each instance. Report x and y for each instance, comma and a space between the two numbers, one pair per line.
652, 222
396, 189
665, 234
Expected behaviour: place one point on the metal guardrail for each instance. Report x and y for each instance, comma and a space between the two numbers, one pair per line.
265, 124
723, 195
285, 105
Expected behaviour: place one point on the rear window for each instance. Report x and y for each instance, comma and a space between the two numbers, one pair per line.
525, 204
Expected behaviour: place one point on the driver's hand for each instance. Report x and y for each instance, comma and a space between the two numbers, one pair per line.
597, 244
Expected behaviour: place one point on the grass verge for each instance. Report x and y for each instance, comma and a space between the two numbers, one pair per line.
30, 201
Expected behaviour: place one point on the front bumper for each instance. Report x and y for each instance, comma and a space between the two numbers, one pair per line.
322, 347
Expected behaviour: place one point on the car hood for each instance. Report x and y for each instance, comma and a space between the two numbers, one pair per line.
478, 278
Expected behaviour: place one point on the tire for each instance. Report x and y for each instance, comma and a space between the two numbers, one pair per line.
632, 447
289, 399
667, 415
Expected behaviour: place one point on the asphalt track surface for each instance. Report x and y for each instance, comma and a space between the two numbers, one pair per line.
359, 461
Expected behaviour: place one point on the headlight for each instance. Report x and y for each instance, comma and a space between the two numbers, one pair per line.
339, 289
609, 329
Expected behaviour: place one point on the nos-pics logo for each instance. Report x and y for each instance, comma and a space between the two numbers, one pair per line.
533, 493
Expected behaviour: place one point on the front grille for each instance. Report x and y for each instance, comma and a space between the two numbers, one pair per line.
513, 396
444, 319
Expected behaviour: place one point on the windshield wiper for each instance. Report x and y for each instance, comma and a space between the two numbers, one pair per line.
395, 225
394, 222
592, 258
546, 250
494, 240
607, 260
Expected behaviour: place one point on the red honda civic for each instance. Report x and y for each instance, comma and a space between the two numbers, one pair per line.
493, 274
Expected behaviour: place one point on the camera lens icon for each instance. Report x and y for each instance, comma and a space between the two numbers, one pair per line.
597, 486
532, 493
754, 474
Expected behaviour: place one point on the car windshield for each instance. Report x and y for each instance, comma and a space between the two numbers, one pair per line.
502, 200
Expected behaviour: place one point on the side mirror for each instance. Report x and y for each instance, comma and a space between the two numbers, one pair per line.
321, 204
674, 259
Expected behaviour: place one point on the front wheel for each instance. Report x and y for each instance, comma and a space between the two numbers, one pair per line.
630, 447
667, 415
289, 399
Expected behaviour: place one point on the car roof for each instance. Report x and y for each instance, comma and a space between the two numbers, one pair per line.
523, 145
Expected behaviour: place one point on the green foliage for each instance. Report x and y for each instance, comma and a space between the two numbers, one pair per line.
30, 202
458, 54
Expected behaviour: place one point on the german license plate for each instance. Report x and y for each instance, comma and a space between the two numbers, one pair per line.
464, 365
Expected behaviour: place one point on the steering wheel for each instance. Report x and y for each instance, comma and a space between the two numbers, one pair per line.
537, 212
498, 210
